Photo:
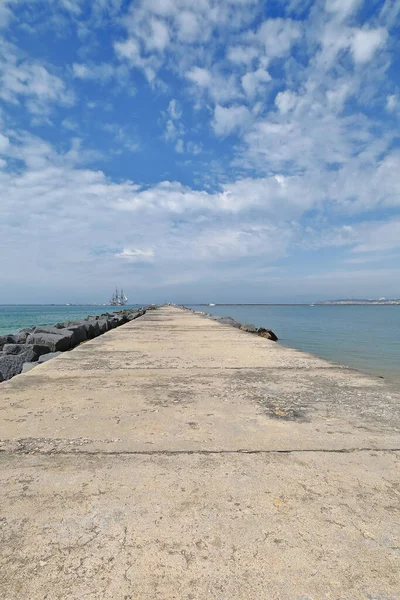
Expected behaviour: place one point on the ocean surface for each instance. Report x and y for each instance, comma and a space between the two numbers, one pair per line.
364, 337
15, 317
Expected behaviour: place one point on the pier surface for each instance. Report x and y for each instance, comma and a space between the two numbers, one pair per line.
177, 458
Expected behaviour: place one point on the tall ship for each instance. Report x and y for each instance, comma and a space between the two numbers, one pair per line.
118, 298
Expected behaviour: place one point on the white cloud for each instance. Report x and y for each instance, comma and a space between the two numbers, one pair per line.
102, 72
4, 143
230, 119
252, 82
391, 102
199, 76
365, 43
377, 237
249, 241
285, 101
343, 8
158, 36
21, 78
188, 26
278, 36
5, 13
171, 131
194, 148
174, 128
136, 255
174, 110
130, 50
242, 54
179, 146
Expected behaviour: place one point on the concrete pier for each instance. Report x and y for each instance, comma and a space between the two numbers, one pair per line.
177, 458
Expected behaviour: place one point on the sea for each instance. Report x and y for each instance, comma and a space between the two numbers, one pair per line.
15, 317
366, 337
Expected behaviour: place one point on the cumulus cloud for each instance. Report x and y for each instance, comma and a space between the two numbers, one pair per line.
365, 43
278, 36
230, 119
243, 54
285, 101
252, 82
200, 76
23, 79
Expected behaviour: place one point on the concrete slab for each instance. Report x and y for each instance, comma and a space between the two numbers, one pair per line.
175, 457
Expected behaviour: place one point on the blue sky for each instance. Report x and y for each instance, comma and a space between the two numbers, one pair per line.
235, 150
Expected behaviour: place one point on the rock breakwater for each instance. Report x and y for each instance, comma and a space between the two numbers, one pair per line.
249, 327
22, 351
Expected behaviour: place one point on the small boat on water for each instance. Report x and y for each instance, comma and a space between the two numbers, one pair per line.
210, 304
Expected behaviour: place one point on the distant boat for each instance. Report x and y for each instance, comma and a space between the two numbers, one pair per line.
210, 304
312, 304
118, 299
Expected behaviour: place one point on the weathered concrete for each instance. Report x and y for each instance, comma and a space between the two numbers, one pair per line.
175, 457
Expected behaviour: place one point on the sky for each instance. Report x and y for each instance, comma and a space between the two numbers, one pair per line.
207, 151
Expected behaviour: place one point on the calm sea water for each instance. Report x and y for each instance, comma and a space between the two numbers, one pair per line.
13, 318
364, 337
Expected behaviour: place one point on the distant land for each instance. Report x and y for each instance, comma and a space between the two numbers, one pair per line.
340, 301
379, 301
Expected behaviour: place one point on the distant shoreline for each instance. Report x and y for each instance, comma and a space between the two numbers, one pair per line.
328, 303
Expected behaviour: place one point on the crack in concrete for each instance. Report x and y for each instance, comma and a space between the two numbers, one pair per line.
194, 452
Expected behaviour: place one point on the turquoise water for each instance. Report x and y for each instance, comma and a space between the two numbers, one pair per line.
13, 318
364, 337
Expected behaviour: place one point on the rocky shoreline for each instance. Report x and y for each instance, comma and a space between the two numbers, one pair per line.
249, 327
22, 351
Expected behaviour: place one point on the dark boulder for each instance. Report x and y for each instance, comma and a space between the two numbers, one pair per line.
103, 325
249, 327
7, 339
11, 365
49, 356
267, 333
49, 329
55, 342
33, 349
112, 322
229, 321
76, 334
92, 328
80, 334
13, 348
120, 320
22, 335
31, 352
131, 315
134, 314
